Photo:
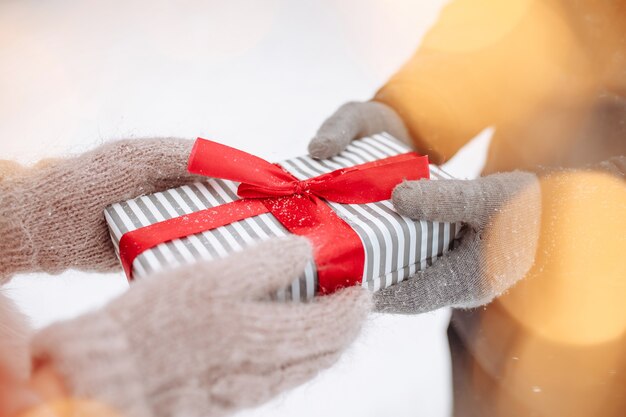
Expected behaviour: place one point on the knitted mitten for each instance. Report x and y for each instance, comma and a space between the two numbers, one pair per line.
204, 340
51, 214
502, 215
353, 121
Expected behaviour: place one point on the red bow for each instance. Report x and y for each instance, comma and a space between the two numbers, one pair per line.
298, 205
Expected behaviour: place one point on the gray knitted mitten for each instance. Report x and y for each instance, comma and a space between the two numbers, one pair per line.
51, 214
353, 121
502, 214
204, 340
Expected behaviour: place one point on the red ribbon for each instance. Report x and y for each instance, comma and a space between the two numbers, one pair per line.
298, 205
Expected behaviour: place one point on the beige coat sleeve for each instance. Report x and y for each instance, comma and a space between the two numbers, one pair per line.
484, 62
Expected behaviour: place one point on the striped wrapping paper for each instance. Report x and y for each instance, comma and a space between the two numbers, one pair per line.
395, 246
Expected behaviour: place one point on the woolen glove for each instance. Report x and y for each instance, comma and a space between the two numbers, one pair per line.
501, 213
204, 340
51, 214
353, 121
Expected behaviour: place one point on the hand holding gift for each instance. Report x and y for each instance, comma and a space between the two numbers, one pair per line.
202, 340
496, 248
51, 214
194, 339
501, 213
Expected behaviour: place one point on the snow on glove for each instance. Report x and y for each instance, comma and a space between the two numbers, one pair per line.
501, 213
204, 340
51, 214
352, 121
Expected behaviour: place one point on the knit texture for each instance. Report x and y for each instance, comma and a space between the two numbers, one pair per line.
205, 340
51, 214
352, 121
502, 215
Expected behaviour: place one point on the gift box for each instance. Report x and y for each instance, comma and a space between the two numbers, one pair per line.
341, 204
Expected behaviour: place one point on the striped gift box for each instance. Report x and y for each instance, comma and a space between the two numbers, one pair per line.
395, 246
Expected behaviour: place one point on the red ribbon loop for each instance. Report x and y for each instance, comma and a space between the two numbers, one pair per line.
298, 205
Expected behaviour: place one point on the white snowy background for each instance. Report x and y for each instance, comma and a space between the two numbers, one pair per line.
258, 75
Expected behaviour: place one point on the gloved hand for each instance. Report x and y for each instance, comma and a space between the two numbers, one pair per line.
202, 340
51, 214
501, 213
353, 121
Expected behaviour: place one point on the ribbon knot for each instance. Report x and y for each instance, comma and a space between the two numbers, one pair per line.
302, 187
